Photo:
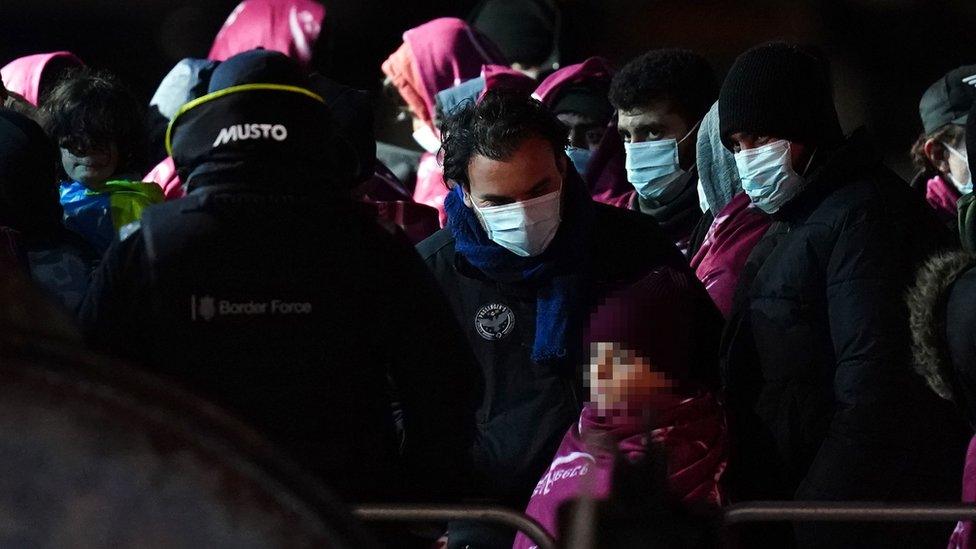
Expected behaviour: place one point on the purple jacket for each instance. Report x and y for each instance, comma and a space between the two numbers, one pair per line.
23, 75
289, 26
730, 239
693, 433
963, 536
942, 197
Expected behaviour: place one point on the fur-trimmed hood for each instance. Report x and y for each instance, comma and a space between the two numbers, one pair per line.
928, 301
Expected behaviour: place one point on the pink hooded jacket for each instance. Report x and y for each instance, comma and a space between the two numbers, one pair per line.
23, 75
730, 240
692, 434
433, 57
606, 177
942, 197
289, 26
963, 537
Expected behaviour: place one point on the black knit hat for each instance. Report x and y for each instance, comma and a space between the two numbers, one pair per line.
780, 90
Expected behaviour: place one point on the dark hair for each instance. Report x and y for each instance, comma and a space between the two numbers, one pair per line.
495, 127
953, 134
680, 76
89, 109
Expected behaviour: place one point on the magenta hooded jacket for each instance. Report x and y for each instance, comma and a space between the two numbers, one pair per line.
692, 434
436, 56
23, 75
730, 239
942, 197
289, 26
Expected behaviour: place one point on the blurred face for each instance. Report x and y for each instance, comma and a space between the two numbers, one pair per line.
659, 120
742, 141
91, 167
533, 170
622, 381
584, 132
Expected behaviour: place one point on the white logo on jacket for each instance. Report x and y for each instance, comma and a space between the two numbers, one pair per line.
554, 474
242, 132
494, 321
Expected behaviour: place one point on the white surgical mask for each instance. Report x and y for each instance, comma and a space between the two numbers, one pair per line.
424, 136
524, 228
767, 175
580, 158
966, 186
652, 166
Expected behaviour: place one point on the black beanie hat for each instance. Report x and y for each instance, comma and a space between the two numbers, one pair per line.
780, 90
589, 100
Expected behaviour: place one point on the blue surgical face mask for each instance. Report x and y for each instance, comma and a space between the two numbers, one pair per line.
653, 167
767, 175
964, 187
580, 158
524, 228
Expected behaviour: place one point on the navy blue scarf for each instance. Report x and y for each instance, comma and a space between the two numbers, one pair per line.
557, 273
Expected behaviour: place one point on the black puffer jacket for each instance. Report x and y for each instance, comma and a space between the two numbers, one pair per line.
823, 398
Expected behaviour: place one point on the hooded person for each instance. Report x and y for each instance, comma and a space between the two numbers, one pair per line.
274, 285
292, 27
525, 254
527, 33
847, 418
737, 224
30, 216
32, 77
577, 94
640, 400
940, 152
186, 81
661, 98
943, 323
433, 57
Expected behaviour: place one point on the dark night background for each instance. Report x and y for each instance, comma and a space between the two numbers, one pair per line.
884, 52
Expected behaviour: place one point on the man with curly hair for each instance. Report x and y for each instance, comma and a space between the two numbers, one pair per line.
661, 98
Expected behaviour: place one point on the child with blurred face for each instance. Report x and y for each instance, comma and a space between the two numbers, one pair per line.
645, 395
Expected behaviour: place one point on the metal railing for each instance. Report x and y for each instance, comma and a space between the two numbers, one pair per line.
732, 516
477, 513
848, 511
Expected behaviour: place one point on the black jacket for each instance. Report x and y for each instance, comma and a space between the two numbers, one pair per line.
297, 313
527, 408
823, 398
678, 217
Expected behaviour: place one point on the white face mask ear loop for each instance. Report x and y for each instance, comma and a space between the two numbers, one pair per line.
691, 131
809, 162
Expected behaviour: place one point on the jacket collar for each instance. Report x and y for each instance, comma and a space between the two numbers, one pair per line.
853, 159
